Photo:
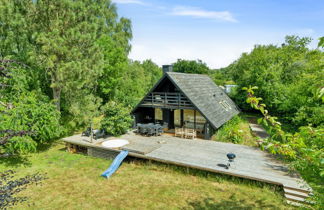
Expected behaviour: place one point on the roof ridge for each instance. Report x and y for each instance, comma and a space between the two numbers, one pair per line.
172, 72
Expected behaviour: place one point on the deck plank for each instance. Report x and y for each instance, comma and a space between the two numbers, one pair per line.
250, 162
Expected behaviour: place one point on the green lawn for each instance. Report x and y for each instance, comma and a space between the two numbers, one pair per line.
74, 182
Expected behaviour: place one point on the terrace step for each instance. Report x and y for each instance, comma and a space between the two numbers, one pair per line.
296, 193
294, 203
295, 198
309, 191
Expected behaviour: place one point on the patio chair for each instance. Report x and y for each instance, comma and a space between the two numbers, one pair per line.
165, 126
87, 132
145, 129
190, 133
150, 130
138, 128
98, 133
179, 132
158, 130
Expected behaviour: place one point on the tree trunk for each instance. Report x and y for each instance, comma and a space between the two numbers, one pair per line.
57, 98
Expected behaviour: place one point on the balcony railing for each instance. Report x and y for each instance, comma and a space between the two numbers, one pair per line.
166, 100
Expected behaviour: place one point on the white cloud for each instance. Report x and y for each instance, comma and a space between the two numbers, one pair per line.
129, 2
200, 13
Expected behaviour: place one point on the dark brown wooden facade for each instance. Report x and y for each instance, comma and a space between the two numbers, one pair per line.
172, 107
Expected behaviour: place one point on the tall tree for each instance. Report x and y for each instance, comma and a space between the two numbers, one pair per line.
138, 78
289, 78
321, 42
61, 38
27, 117
153, 71
115, 50
190, 66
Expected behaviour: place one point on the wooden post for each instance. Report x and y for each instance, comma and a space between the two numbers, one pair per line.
195, 119
152, 100
91, 129
178, 94
207, 131
67, 147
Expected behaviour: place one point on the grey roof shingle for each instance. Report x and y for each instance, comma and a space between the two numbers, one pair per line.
205, 95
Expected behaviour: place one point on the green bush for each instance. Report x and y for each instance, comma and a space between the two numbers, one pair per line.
304, 148
230, 131
116, 120
30, 112
289, 77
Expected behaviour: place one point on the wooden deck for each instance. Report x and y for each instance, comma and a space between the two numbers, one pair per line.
250, 163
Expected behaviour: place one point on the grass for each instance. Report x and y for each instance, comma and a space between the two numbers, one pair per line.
74, 182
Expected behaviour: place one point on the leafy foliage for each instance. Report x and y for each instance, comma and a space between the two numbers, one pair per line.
137, 80
27, 117
289, 78
190, 66
220, 77
116, 119
10, 186
321, 42
304, 148
74, 52
32, 113
231, 131
115, 66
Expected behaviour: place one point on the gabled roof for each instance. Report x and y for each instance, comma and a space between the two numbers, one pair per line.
205, 95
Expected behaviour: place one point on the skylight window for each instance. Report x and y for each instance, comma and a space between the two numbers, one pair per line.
225, 105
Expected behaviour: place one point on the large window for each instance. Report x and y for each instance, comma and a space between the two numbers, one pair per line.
200, 122
189, 118
158, 114
177, 118
200, 118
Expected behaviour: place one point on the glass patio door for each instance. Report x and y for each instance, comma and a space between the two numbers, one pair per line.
177, 118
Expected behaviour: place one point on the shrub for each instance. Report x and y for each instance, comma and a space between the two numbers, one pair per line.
117, 119
304, 148
230, 131
35, 116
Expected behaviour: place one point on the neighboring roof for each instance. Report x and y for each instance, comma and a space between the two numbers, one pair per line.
205, 95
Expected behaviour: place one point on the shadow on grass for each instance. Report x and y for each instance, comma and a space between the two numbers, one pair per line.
231, 203
15, 161
23, 160
47, 145
217, 177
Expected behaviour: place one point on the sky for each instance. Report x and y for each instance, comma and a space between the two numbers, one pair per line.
216, 31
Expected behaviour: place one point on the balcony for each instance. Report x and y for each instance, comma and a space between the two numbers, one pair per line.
167, 100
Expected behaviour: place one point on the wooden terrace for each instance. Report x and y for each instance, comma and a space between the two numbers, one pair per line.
250, 163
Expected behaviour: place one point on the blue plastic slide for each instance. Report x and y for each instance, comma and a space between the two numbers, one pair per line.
115, 164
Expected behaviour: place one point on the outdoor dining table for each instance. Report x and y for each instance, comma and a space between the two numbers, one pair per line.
149, 129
